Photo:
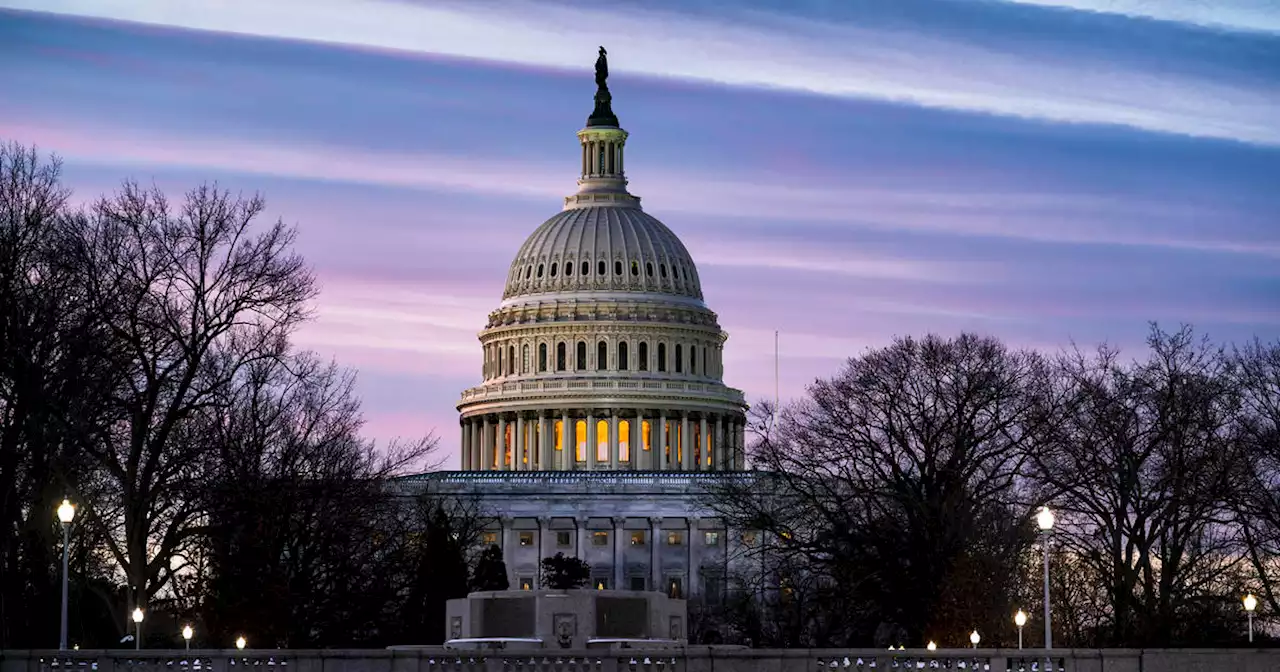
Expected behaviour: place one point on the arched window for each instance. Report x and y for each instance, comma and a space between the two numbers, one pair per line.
662, 270
648, 268
568, 268
511, 359
707, 364
600, 267
528, 272
539, 270
602, 356
586, 268
662, 357
644, 356
581, 363
635, 267
617, 268
524, 359
542, 357
693, 360
679, 358
553, 269
560, 356
623, 356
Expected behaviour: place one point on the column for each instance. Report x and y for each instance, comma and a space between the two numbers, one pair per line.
655, 559
640, 458
477, 462
614, 446
502, 444
544, 523
486, 446
740, 444
591, 441
619, 552
518, 445
508, 546
567, 447
580, 545
548, 442
704, 446
464, 456
660, 459
686, 454
695, 558
721, 459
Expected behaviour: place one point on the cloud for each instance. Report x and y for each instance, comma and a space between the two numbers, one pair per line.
749, 48
1241, 15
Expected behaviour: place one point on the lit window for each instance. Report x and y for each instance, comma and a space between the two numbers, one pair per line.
675, 538
602, 584
526, 583
564, 539
675, 587
526, 538
749, 538
489, 538
624, 440
600, 538
637, 538
711, 538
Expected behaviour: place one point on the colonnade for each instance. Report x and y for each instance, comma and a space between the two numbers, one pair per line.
603, 439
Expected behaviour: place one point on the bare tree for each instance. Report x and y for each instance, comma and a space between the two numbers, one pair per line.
193, 296
1258, 503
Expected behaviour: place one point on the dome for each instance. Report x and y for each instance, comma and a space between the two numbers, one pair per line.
603, 248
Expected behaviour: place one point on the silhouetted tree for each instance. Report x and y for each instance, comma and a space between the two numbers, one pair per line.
444, 528
490, 571
562, 572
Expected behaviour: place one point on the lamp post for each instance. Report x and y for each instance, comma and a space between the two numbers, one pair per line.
1250, 603
931, 646
1020, 619
1045, 520
66, 513
187, 633
240, 642
974, 638
137, 630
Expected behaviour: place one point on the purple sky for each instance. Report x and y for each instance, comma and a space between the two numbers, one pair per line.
1044, 171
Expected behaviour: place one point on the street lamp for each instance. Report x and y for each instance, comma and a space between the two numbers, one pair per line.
240, 643
66, 513
187, 633
1045, 520
1020, 619
931, 646
974, 638
137, 633
1250, 603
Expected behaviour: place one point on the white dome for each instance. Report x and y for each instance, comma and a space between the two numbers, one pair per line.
603, 248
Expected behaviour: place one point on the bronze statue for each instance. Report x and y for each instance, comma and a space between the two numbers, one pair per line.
602, 68
603, 114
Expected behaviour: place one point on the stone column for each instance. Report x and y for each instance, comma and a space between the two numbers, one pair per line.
517, 444
704, 446
619, 552
548, 442
655, 558
721, 460
502, 444
464, 456
740, 445
544, 523
615, 446
580, 545
639, 456
568, 448
591, 441
663, 464
486, 446
508, 546
695, 558
686, 452
477, 462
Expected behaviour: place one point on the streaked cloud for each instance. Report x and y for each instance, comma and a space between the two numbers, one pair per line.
1246, 15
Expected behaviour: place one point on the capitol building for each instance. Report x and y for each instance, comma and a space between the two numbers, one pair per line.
603, 412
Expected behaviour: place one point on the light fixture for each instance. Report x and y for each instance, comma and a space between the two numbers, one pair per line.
1045, 519
187, 634
240, 642
1020, 619
138, 615
931, 646
66, 513
1250, 603
974, 638
137, 627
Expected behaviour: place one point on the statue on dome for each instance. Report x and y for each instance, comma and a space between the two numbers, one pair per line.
603, 114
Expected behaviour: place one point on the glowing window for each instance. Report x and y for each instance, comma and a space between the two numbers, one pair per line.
489, 538
637, 537
624, 440
600, 538
580, 438
526, 538
646, 432
602, 441
675, 538
559, 440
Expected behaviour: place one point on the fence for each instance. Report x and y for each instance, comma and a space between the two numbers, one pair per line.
689, 659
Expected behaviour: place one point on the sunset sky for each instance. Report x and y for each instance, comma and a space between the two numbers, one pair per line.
1044, 171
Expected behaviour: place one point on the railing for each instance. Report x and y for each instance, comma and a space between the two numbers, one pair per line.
563, 385
689, 659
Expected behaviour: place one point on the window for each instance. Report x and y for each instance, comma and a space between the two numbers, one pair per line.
623, 356
638, 583
693, 360
511, 359
635, 268
675, 538
711, 538
528, 272
581, 364
553, 269
489, 538
675, 587
560, 357
643, 364
624, 440
524, 361
542, 356
568, 268
679, 358
662, 270
586, 268
600, 538
617, 267
526, 538
539, 270
602, 584
637, 537
662, 357
648, 268
749, 538
526, 583
602, 356
600, 268
564, 539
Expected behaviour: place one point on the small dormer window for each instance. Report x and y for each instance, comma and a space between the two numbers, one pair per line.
539, 270
662, 270
553, 269
617, 268
568, 268
586, 268
648, 269
600, 267
635, 268
528, 271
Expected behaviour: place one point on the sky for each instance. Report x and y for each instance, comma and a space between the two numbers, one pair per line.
1050, 172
